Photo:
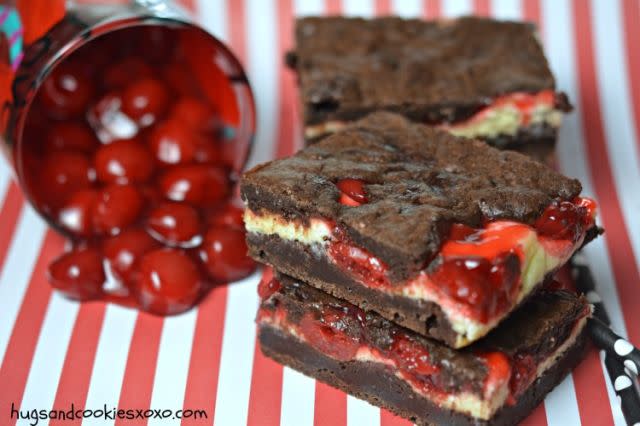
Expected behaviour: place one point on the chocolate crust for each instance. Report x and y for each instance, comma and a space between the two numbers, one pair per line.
419, 181
301, 262
377, 385
537, 141
429, 71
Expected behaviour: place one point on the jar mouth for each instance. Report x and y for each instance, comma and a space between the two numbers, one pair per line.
44, 56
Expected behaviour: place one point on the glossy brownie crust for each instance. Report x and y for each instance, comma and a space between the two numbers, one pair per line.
429, 71
419, 182
377, 385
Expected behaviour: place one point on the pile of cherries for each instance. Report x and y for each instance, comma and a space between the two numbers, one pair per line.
130, 160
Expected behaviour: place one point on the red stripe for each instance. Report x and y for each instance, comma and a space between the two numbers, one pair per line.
237, 24
330, 408
432, 9
625, 271
286, 140
531, 11
11, 208
387, 418
383, 7
481, 7
591, 391
202, 380
190, 5
631, 19
333, 7
26, 331
592, 397
538, 417
73, 385
265, 399
139, 373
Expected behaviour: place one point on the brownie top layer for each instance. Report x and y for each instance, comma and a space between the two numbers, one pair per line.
451, 67
418, 181
536, 330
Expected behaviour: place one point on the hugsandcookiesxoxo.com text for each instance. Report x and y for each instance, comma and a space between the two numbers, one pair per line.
106, 413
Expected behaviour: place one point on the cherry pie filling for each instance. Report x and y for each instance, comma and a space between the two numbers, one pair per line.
478, 269
339, 330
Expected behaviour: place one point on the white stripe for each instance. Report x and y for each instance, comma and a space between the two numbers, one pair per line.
51, 350
298, 390
5, 178
298, 399
14, 279
172, 368
561, 405
616, 107
408, 8
362, 8
236, 358
263, 64
308, 7
507, 9
360, 412
110, 361
453, 8
558, 29
213, 16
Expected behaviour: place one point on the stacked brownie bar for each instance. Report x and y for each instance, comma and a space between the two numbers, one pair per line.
475, 77
421, 257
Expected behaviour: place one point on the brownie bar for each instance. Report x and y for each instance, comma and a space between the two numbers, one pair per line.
496, 381
438, 72
419, 185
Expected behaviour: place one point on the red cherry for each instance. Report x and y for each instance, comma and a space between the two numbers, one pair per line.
118, 206
412, 356
563, 220
169, 282
174, 224
156, 43
70, 135
461, 232
194, 114
77, 214
61, 174
66, 92
172, 143
121, 73
109, 122
125, 161
486, 287
327, 339
145, 100
266, 288
196, 184
352, 192
179, 78
125, 250
78, 274
208, 151
230, 215
224, 254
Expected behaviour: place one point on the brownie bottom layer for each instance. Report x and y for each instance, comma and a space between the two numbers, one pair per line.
376, 383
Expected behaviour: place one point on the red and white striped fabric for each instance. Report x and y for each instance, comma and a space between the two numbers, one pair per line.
54, 352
